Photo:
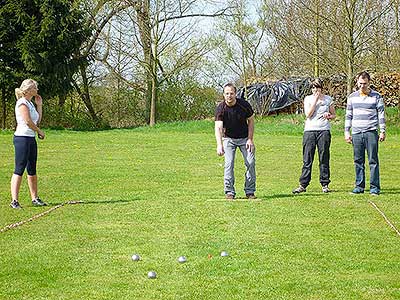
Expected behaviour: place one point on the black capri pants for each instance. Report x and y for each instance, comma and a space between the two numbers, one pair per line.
25, 155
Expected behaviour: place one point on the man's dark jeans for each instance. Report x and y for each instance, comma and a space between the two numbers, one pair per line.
320, 139
366, 141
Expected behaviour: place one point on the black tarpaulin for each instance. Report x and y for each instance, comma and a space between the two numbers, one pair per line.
273, 96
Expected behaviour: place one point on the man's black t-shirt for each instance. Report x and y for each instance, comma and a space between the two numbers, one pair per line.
235, 118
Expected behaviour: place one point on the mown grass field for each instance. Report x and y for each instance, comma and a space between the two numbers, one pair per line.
158, 192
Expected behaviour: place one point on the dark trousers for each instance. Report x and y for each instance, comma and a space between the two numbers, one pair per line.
25, 155
320, 139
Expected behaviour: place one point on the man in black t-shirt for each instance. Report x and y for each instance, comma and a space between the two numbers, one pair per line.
234, 127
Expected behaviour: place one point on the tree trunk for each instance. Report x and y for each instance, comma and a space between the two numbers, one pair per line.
154, 81
243, 51
85, 95
244, 68
143, 20
316, 41
61, 100
350, 69
396, 5
351, 47
154, 96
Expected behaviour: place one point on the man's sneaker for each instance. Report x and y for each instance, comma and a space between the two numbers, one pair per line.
374, 192
15, 204
299, 190
229, 196
38, 202
357, 190
325, 189
251, 196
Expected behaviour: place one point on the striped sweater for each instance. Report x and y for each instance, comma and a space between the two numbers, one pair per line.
364, 113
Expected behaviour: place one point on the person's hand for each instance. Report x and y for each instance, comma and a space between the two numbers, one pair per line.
382, 136
327, 115
348, 138
41, 134
250, 145
220, 150
317, 96
38, 100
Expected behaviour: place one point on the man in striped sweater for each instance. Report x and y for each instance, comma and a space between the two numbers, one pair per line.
364, 114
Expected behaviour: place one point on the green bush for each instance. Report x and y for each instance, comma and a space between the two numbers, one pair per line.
120, 107
72, 114
186, 100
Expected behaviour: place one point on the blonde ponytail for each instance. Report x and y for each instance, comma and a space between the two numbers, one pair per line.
19, 93
26, 86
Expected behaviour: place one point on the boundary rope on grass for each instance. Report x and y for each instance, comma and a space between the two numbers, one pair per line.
384, 216
11, 226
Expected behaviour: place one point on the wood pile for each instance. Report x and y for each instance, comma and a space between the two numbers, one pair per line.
336, 87
388, 85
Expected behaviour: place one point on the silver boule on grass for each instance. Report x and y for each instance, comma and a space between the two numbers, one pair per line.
224, 254
182, 259
152, 275
136, 257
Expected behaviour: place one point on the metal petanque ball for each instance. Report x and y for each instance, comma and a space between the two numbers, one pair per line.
224, 254
152, 275
182, 259
135, 257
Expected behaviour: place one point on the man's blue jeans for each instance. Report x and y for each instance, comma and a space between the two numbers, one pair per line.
366, 141
230, 146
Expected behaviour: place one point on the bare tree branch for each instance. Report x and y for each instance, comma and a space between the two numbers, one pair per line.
222, 12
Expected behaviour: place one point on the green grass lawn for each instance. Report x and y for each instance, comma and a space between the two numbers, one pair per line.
158, 192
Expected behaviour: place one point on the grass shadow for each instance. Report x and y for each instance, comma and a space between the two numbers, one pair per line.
390, 191
266, 197
85, 202
111, 201
288, 195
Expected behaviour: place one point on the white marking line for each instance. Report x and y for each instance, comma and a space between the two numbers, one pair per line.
233, 201
11, 226
384, 216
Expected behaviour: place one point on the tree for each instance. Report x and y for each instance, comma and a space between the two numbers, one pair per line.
338, 37
243, 44
97, 15
39, 39
301, 37
355, 24
160, 29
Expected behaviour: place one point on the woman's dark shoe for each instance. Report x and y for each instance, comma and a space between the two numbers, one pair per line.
38, 202
299, 190
15, 204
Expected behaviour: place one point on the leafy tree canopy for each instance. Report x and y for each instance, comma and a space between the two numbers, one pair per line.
40, 39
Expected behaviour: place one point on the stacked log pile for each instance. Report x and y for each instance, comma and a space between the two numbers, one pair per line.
336, 86
388, 85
